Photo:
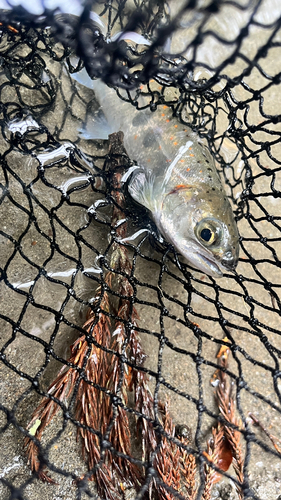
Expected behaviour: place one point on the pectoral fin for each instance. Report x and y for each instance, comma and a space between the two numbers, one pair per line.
140, 187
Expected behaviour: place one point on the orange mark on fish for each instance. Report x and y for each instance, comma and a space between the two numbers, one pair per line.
187, 169
179, 187
163, 114
167, 121
165, 107
190, 149
135, 137
175, 143
191, 154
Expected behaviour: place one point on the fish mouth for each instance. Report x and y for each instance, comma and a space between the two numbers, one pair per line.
210, 267
206, 264
197, 256
201, 262
215, 267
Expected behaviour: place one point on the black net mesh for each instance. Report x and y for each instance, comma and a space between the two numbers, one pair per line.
167, 376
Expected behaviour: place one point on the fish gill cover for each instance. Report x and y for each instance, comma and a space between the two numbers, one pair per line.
126, 373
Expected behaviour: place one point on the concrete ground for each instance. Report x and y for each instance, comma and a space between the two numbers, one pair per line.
248, 308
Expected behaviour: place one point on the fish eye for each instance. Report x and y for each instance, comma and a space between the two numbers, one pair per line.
208, 232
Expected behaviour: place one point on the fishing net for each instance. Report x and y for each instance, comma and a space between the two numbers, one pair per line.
168, 378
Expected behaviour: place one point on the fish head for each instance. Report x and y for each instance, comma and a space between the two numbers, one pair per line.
199, 222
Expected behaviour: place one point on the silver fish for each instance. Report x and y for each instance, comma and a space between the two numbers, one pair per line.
176, 180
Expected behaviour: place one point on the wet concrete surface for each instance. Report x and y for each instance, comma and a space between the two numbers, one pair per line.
248, 308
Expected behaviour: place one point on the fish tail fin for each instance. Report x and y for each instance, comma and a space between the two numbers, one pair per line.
96, 127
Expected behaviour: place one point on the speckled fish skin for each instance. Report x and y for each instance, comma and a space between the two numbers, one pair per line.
177, 181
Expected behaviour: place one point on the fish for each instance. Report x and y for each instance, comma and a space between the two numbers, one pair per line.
175, 178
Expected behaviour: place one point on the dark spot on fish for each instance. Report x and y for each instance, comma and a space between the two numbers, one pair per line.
207, 192
213, 189
209, 168
149, 139
139, 119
